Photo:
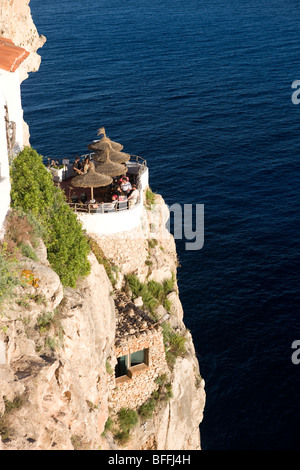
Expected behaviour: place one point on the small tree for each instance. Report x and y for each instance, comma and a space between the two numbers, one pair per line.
33, 190
32, 187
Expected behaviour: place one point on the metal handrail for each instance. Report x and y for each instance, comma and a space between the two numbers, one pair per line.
89, 208
59, 160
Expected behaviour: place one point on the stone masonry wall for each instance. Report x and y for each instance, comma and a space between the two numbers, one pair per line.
134, 392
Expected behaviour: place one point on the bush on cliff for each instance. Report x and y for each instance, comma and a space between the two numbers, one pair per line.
9, 274
33, 191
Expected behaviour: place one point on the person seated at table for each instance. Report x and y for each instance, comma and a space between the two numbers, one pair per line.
118, 191
122, 202
110, 206
77, 166
133, 197
114, 199
93, 204
88, 165
126, 185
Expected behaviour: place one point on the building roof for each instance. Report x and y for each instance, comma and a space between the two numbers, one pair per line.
131, 320
11, 56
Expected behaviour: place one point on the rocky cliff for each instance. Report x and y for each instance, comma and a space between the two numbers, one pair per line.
59, 350
58, 346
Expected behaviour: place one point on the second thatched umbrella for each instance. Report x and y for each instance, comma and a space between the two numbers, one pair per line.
107, 167
92, 180
105, 148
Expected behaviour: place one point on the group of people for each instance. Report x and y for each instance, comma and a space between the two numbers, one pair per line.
124, 191
80, 168
127, 196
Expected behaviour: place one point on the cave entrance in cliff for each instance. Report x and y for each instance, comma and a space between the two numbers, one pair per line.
131, 363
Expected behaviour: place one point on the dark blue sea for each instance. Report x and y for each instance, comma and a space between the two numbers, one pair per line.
202, 90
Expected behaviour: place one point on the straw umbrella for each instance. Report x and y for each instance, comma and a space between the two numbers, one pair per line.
115, 145
101, 150
92, 180
107, 167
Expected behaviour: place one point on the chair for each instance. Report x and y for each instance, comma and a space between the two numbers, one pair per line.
83, 197
108, 207
122, 205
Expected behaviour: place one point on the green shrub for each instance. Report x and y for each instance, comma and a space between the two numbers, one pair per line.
168, 285
32, 186
44, 321
10, 406
51, 321
109, 368
152, 242
28, 251
161, 380
102, 259
149, 301
68, 247
164, 392
150, 197
128, 418
146, 409
167, 305
135, 285
156, 290
33, 191
122, 437
153, 293
9, 275
174, 344
108, 426
177, 344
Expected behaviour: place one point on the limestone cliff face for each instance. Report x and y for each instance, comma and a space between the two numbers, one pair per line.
56, 365
62, 388
153, 257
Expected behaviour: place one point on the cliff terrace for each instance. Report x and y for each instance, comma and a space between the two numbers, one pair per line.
104, 187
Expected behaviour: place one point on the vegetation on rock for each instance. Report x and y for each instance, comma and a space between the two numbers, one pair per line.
33, 191
153, 293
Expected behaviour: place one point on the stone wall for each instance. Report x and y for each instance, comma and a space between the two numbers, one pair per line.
133, 392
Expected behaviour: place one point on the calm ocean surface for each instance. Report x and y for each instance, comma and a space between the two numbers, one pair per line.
202, 90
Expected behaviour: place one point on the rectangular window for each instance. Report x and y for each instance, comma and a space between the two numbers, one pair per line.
137, 357
129, 364
122, 366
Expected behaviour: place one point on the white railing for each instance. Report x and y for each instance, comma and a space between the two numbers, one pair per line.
103, 222
100, 208
61, 161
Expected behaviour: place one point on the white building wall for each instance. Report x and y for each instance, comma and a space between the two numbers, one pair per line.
116, 222
10, 96
10, 87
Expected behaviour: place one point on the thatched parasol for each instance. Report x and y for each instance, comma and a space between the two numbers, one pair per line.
107, 167
115, 145
92, 180
114, 155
